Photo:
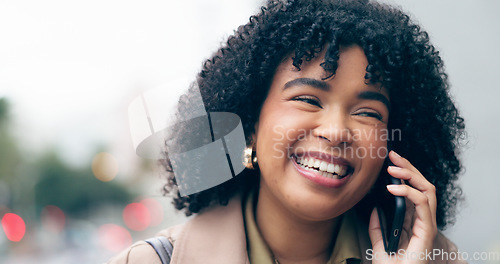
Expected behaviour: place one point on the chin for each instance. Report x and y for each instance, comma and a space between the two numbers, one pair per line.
315, 206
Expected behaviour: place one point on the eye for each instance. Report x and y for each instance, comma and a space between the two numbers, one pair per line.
308, 99
370, 114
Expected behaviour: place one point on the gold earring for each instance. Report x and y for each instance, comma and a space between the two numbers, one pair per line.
250, 158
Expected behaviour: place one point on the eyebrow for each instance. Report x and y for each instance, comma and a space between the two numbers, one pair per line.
309, 82
322, 85
369, 95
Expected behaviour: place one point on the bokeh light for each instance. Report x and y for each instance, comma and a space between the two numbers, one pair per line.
104, 166
155, 210
136, 216
53, 218
13, 226
4, 209
114, 237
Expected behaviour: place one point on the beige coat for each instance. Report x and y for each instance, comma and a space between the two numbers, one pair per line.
217, 236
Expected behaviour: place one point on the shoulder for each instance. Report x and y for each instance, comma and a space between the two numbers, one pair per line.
190, 239
142, 252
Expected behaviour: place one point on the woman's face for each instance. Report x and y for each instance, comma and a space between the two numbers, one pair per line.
321, 143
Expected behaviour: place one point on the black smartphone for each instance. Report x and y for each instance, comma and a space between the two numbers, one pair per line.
391, 212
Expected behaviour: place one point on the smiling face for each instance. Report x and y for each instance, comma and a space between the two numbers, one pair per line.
321, 143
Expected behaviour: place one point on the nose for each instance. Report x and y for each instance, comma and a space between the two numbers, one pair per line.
334, 128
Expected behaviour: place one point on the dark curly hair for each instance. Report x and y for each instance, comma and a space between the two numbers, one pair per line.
400, 57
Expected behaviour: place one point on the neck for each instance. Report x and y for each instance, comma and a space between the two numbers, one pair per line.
292, 239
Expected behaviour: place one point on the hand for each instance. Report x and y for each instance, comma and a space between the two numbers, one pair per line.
419, 228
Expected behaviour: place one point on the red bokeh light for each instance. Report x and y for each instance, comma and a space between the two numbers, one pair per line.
155, 210
136, 216
53, 218
114, 238
13, 226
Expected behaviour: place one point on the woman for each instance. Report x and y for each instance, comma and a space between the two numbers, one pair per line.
321, 88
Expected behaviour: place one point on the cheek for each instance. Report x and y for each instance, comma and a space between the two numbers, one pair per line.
279, 129
278, 124
274, 141
371, 142
371, 148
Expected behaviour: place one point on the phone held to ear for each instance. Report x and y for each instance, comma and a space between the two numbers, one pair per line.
391, 212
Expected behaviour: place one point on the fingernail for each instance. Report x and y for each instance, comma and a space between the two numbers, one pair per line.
395, 153
392, 187
394, 168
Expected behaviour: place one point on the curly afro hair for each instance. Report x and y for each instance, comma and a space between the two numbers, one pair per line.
400, 57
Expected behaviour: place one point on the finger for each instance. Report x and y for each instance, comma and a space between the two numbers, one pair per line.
416, 180
406, 171
409, 173
375, 232
422, 207
401, 161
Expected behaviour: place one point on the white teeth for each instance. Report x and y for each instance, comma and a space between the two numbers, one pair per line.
330, 168
337, 169
322, 166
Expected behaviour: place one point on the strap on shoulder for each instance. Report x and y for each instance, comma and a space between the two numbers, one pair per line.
163, 248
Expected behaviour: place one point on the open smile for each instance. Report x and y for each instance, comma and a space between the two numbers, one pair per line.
322, 169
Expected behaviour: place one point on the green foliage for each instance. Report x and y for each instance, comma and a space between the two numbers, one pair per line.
10, 157
75, 191
4, 110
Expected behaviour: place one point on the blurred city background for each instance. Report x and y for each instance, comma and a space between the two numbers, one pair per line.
72, 188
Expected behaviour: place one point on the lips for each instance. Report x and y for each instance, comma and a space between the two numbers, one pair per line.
322, 168
326, 169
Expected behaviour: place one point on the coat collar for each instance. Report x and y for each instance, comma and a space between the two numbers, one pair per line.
215, 236
223, 229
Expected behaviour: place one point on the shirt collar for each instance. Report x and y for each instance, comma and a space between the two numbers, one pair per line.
346, 247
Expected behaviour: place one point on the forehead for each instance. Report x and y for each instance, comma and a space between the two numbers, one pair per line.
350, 72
